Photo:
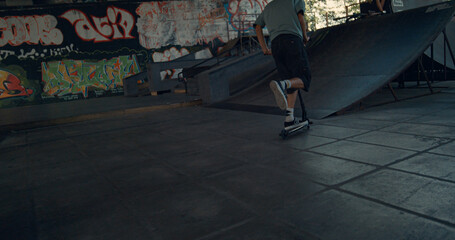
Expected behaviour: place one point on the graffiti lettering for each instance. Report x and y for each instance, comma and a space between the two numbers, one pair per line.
212, 16
169, 55
60, 51
243, 13
10, 86
103, 29
78, 77
34, 54
30, 54
5, 53
31, 30
180, 23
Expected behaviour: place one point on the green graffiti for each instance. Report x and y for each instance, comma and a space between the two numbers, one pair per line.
79, 77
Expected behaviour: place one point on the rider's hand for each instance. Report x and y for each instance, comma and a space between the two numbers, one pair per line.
267, 51
306, 40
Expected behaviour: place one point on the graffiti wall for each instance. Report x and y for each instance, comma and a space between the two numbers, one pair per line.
76, 51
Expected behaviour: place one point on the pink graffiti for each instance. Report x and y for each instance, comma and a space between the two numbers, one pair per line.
118, 24
30, 29
183, 23
243, 13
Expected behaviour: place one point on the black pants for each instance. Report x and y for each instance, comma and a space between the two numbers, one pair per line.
291, 59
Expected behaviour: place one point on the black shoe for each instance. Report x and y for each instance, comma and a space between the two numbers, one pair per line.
292, 123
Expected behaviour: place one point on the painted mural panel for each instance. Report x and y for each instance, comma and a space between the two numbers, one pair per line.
32, 30
15, 87
184, 23
11, 86
64, 52
65, 77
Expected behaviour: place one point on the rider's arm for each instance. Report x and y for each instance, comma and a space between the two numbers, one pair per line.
261, 40
303, 26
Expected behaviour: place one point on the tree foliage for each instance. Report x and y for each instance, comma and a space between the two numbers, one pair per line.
322, 13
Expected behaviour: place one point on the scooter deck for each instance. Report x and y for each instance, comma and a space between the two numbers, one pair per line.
293, 129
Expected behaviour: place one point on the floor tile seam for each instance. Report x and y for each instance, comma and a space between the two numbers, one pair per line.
226, 229
335, 141
222, 135
295, 173
125, 203
12, 147
364, 129
392, 122
255, 212
296, 148
417, 153
245, 160
390, 205
137, 215
79, 150
380, 129
33, 221
166, 164
102, 131
345, 159
193, 137
66, 136
282, 221
341, 138
412, 193
354, 116
316, 135
30, 193
413, 134
107, 114
375, 119
387, 167
227, 171
226, 194
430, 124
442, 154
291, 226
198, 178
201, 178
373, 171
387, 146
93, 167
344, 138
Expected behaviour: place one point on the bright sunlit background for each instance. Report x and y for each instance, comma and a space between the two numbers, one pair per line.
322, 13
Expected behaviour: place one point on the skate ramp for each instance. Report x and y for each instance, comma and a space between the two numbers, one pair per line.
352, 60
403, 5
438, 48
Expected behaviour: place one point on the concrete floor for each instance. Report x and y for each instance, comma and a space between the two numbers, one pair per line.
204, 173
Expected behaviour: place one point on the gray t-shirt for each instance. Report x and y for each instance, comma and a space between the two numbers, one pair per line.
280, 17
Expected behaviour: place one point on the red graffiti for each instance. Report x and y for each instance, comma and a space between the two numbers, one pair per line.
30, 29
243, 13
10, 86
118, 24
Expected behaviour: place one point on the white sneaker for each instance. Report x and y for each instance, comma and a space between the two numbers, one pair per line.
294, 124
278, 88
